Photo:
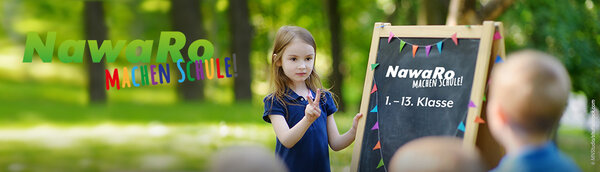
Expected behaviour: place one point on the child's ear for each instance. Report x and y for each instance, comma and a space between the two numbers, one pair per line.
501, 115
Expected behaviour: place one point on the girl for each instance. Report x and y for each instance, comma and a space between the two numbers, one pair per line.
302, 119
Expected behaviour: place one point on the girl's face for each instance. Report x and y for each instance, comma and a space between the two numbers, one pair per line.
298, 61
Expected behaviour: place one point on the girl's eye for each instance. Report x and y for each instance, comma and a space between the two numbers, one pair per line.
308, 58
293, 59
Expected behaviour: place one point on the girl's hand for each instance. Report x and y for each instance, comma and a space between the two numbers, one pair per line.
313, 110
355, 122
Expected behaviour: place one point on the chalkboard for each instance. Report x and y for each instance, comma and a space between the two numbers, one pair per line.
413, 90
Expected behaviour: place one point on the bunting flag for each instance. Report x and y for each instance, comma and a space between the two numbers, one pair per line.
373, 66
374, 88
376, 126
472, 104
377, 146
461, 126
390, 38
427, 49
497, 35
381, 26
484, 97
499, 59
455, 39
380, 163
415, 47
402, 44
479, 120
374, 109
439, 46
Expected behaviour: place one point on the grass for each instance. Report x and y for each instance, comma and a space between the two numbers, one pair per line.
49, 127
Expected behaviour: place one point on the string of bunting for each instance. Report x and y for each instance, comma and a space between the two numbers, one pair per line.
415, 47
439, 44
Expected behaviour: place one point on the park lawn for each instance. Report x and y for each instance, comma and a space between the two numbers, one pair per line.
49, 127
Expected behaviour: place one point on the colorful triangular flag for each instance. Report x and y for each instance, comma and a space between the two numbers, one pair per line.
376, 126
374, 88
390, 38
499, 59
479, 120
373, 66
427, 49
402, 45
374, 109
468, 26
497, 35
455, 39
461, 126
415, 47
439, 45
380, 163
472, 104
377, 146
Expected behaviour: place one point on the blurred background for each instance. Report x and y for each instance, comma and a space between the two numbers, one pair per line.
59, 117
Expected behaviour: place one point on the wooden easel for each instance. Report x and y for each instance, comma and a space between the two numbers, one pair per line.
489, 49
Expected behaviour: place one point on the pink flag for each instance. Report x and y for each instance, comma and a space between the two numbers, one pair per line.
455, 39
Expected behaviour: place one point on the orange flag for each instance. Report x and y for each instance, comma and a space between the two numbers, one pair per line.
479, 120
415, 47
377, 146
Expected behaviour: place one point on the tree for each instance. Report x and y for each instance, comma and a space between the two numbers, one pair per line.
95, 29
241, 38
463, 12
336, 48
432, 12
186, 18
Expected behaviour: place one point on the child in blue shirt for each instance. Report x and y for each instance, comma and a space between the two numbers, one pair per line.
300, 111
528, 94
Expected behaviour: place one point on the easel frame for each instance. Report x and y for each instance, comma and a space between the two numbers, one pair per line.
488, 49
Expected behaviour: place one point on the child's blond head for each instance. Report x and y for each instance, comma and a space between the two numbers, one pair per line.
531, 90
285, 35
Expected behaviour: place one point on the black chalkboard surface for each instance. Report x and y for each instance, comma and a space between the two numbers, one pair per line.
428, 93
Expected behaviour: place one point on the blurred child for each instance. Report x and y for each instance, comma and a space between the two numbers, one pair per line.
302, 119
436, 153
528, 94
246, 159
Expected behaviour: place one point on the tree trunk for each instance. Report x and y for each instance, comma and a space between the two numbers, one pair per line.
241, 39
95, 29
432, 12
336, 77
464, 12
186, 18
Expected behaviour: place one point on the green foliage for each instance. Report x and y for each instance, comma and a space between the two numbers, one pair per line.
567, 29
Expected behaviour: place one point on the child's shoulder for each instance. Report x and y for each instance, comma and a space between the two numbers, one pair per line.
270, 97
327, 96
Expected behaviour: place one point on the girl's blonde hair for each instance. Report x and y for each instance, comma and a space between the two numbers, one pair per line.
279, 81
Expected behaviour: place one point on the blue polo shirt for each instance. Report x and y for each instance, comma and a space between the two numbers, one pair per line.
311, 153
546, 158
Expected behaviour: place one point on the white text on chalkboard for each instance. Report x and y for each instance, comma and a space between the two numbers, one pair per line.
421, 102
419, 73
